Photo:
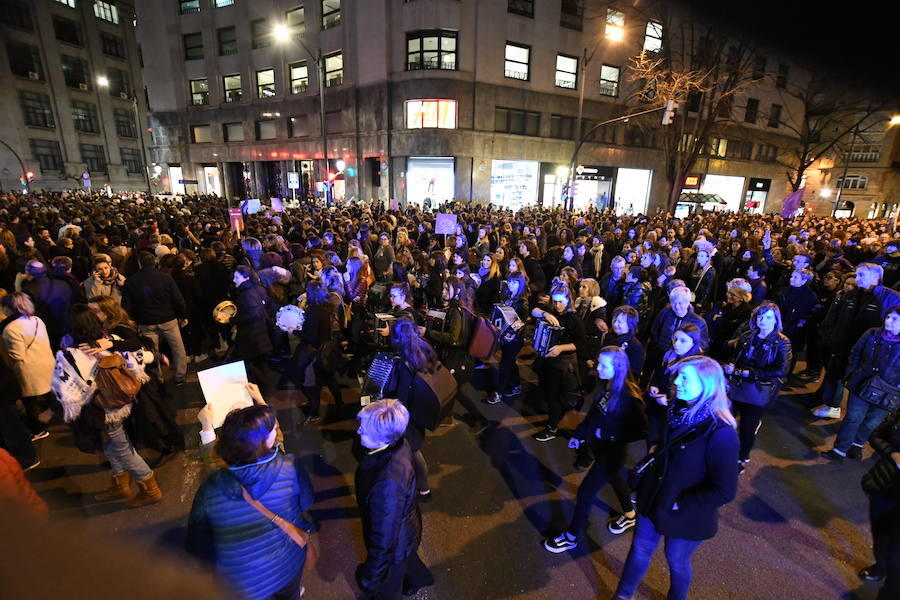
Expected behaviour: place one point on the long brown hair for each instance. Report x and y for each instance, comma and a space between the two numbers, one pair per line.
115, 314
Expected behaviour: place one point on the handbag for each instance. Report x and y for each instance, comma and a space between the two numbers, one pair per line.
883, 479
642, 466
750, 392
879, 392
297, 535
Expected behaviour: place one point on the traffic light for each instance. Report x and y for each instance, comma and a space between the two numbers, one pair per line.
27, 178
669, 112
330, 176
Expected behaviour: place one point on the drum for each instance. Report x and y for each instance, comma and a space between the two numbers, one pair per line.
507, 322
289, 318
546, 336
224, 311
436, 319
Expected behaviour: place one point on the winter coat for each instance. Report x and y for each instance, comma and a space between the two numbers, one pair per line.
52, 301
94, 286
702, 283
885, 439
626, 424
797, 305
855, 312
152, 297
633, 348
611, 290
688, 482
871, 352
249, 551
453, 342
768, 360
723, 322
28, 346
487, 294
537, 280
667, 322
392, 524
252, 322
637, 296
14, 487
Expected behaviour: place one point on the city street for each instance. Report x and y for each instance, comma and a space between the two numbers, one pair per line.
797, 529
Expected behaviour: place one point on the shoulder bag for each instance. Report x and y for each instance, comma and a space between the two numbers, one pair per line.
883, 479
297, 535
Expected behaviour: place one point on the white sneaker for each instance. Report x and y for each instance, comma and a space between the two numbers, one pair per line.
827, 412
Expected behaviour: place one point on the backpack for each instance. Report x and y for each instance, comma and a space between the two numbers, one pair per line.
117, 386
484, 340
439, 385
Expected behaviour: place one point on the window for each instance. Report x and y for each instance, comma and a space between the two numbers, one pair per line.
265, 83
775, 115
112, 45
752, 110
16, 13
781, 78
36, 109
67, 30
233, 132
199, 92
227, 41
84, 114
261, 33
853, 182
295, 20
693, 101
434, 49
334, 69
724, 110
298, 126
716, 146
69, 3
24, 60
232, 85
223, 3
615, 25
609, 80
521, 7
566, 71
562, 127
571, 14
738, 149
193, 46
94, 156
75, 72
510, 120
119, 83
759, 67
517, 61
47, 153
106, 11
132, 159
653, 37
766, 153
299, 77
201, 134
125, 123
431, 113
265, 130
331, 13
188, 6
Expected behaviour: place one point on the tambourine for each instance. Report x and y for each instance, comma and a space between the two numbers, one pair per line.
224, 311
289, 318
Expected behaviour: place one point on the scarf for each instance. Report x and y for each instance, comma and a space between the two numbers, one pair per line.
111, 279
680, 414
888, 337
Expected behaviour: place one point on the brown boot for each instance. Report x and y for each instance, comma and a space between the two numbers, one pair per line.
149, 493
119, 489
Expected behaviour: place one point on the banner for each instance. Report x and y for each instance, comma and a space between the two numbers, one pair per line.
792, 203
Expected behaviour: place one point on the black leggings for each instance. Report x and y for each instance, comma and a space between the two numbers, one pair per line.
751, 419
508, 370
551, 385
608, 463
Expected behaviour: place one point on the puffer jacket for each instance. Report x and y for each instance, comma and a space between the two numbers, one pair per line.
855, 312
797, 305
768, 360
392, 524
253, 554
252, 321
871, 352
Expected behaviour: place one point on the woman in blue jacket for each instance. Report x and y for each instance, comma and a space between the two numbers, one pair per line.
690, 476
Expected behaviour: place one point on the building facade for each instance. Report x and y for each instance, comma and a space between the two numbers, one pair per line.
70, 79
431, 100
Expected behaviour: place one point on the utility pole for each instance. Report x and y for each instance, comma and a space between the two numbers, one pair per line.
21, 164
843, 180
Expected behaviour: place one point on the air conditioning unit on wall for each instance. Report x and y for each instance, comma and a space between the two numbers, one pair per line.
83, 87
33, 75
123, 96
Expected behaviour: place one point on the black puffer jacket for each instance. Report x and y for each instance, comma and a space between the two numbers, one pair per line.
252, 322
392, 523
768, 360
797, 305
855, 312
886, 440
873, 351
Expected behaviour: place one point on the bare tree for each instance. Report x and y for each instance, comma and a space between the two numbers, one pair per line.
704, 69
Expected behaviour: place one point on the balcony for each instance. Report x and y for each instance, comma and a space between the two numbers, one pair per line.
565, 83
334, 80
299, 87
429, 65
520, 75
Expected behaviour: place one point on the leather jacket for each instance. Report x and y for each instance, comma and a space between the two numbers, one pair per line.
768, 360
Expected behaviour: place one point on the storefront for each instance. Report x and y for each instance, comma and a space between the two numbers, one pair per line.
731, 189
212, 181
430, 180
593, 187
632, 191
757, 194
514, 183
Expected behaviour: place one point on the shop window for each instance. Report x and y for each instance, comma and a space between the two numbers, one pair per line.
431, 113
518, 61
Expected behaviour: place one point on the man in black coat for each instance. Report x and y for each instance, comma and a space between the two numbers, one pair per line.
386, 494
678, 312
155, 303
52, 300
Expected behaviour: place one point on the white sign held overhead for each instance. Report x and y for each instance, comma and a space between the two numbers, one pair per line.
293, 180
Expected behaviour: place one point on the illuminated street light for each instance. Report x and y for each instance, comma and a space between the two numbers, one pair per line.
825, 192
895, 120
103, 81
281, 33
341, 165
562, 172
614, 33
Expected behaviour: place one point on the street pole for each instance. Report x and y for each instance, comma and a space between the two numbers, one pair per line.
843, 180
320, 67
582, 81
21, 164
140, 132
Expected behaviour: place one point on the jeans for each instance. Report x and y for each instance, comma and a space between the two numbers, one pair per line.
122, 455
678, 555
860, 420
751, 419
608, 461
15, 437
172, 334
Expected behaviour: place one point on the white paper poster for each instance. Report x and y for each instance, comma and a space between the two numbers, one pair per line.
225, 389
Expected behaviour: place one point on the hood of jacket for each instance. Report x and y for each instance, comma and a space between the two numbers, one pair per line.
257, 477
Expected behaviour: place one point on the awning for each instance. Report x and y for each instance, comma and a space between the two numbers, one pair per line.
698, 198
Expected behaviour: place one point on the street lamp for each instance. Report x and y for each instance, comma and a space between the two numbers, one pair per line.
895, 120
103, 82
281, 33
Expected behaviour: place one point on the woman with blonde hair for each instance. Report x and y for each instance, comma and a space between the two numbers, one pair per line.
687, 476
31, 359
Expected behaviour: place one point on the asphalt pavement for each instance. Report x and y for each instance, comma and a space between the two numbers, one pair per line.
798, 528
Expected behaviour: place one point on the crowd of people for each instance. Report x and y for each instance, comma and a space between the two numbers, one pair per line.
678, 334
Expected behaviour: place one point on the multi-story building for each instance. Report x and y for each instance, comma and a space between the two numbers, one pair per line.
428, 100
70, 79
